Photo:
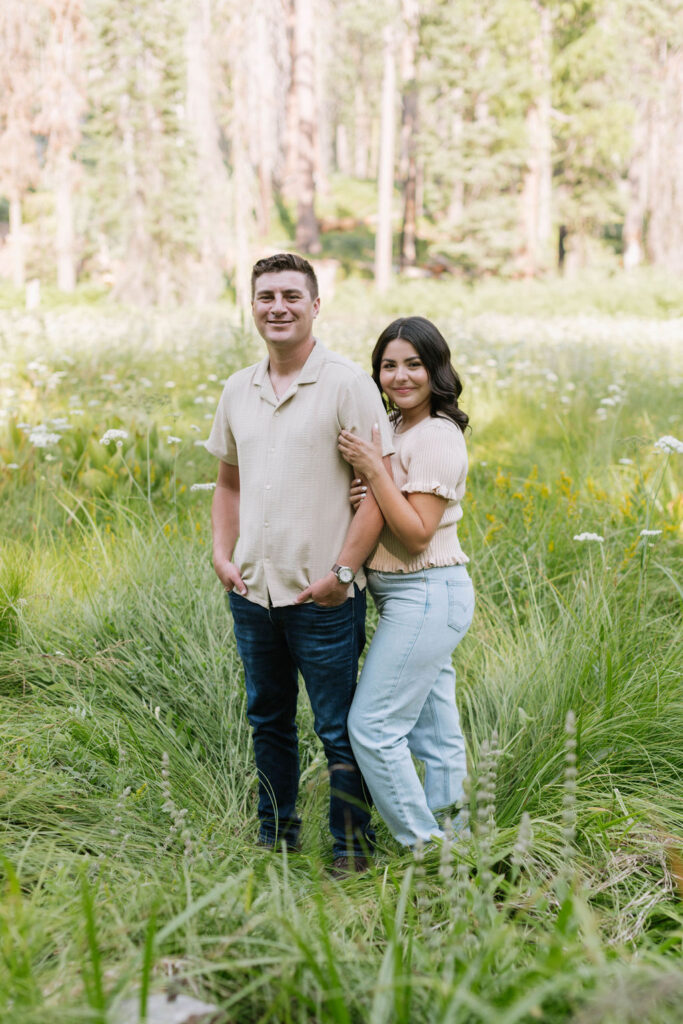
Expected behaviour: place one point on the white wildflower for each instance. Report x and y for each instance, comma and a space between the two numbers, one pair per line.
113, 435
601, 413
565, 399
650, 533
157, 713
40, 437
13, 465
174, 440
202, 487
625, 462
193, 426
169, 384
669, 444
608, 401
589, 536
212, 377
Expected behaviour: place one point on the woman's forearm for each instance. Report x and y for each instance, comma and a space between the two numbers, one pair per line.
404, 521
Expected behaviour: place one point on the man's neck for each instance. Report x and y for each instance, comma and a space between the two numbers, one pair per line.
288, 362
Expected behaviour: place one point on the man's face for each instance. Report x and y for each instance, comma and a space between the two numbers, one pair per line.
283, 309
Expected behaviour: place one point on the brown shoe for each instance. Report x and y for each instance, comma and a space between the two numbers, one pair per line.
347, 865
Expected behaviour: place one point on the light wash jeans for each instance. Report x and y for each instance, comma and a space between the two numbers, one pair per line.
405, 701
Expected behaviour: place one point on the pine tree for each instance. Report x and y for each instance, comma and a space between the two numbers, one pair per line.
19, 85
63, 103
142, 163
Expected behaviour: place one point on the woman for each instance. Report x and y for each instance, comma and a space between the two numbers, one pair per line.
405, 701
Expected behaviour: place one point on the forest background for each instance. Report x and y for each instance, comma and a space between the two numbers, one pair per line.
147, 148
512, 169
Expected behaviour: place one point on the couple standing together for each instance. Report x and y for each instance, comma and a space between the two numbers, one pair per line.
295, 539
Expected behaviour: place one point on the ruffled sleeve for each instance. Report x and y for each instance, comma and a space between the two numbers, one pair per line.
434, 459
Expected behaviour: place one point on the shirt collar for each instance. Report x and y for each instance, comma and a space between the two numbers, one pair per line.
310, 371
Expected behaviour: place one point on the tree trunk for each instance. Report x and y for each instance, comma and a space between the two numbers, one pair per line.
16, 240
241, 204
341, 150
634, 220
64, 211
665, 222
409, 126
537, 186
456, 203
211, 190
361, 141
264, 82
307, 235
385, 180
291, 162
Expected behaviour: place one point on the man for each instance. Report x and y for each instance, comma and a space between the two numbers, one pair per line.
289, 551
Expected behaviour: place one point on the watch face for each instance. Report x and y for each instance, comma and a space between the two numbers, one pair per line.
345, 575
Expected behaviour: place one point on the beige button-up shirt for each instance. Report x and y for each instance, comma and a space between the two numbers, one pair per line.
294, 484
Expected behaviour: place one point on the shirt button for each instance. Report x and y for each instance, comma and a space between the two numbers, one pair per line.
267, 487
266, 524
276, 414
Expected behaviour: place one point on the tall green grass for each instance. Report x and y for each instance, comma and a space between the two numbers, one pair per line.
127, 787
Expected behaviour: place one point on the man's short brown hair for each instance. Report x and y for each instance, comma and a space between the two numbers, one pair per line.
285, 261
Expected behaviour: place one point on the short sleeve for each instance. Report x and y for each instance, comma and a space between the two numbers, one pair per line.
221, 440
362, 408
435, 460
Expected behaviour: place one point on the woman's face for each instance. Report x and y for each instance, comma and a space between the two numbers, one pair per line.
404, 379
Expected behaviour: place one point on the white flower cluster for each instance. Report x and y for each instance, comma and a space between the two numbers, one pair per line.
669, 444
589, 536
202, 487
113, 435
41, 437
174, 440
650, 533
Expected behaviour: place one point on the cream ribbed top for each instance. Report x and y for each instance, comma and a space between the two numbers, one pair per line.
430, 458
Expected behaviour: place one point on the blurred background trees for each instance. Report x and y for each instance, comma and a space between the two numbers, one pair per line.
153, 147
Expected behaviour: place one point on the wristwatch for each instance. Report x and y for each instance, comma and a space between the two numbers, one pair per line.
344, 573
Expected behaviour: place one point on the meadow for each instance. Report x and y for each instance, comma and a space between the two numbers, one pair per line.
127, 787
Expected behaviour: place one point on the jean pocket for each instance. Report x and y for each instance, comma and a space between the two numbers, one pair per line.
460, 604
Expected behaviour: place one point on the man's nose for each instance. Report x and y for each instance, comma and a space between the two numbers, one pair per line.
278, 305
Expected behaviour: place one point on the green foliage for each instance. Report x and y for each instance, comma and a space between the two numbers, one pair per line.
127, 786
138, 148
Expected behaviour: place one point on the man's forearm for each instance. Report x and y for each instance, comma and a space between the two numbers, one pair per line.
362, 535
225, 522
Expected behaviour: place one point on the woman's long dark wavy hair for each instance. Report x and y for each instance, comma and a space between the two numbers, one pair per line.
435, 354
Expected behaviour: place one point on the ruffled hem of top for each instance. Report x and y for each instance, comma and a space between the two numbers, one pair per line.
434, 488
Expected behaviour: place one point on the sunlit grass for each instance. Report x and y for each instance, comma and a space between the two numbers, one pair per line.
127, 786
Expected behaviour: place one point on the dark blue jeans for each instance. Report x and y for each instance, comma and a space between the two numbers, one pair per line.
324, 644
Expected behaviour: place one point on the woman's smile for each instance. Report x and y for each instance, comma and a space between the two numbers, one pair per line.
405, 380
